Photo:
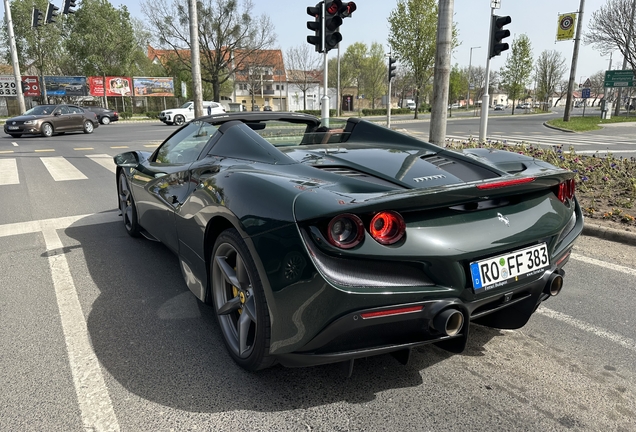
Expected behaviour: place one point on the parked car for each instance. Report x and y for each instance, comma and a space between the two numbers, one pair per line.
104, 115
267, 108
318, 245
499, 107
47, 120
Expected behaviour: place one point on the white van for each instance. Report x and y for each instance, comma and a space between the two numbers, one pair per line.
185, 112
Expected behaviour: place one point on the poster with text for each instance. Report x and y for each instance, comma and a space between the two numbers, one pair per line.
148, 86
65, 86
115, 86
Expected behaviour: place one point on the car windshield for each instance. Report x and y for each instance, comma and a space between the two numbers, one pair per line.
40, 110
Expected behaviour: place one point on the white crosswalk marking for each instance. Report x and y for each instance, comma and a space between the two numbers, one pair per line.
104, 160
61, 169
9, 172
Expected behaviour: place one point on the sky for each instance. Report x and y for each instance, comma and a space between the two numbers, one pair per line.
368, 24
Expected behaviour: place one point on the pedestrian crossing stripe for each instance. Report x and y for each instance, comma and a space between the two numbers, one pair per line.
9, 172
104, 160
61, 169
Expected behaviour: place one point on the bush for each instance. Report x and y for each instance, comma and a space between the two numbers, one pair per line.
152, 114
318, 113
125, 115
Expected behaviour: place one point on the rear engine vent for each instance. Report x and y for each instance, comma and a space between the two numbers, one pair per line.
459, 168
438, 161
348, 172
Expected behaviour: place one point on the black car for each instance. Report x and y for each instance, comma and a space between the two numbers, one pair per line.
317, 245
104, 115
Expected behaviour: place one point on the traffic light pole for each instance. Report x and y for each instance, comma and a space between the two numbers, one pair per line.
485, 102
324, 101
14, 58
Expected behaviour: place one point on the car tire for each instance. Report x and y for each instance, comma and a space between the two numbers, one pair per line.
47, 130
241, 310
179, 120
16, 135
127, 207
105, 120
89, 127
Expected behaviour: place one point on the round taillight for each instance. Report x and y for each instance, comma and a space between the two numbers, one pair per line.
345, 231
387, 227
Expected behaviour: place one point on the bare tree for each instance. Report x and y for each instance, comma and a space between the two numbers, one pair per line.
598, 85
561, 91
479, 79
302, 66
610, 28
549, 72
228, 36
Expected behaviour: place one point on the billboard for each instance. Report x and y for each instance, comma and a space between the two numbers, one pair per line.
9, 88
65, 86
148, 86
115, 86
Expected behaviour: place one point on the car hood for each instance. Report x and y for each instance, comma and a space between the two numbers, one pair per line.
24, 118
408, 168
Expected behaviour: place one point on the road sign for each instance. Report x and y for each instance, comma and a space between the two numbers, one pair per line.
31, 86
7, 86
587, 83
585, 93
619, 78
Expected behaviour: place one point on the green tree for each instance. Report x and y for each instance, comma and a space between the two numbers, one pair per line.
101, 39
515, 75
228, 35
549, 72
413, 38
375, 73
39, 47
456, 85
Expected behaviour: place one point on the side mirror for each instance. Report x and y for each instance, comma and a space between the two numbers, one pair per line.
127, 160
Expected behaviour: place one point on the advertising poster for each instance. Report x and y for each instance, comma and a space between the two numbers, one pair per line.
565, 28
115, 86
148, 86
65, 86
8, 86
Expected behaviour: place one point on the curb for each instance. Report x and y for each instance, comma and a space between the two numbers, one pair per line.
557, 128
610, 234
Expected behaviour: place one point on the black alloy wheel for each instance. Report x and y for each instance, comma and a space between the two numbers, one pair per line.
127, 207
240, 302
179, 120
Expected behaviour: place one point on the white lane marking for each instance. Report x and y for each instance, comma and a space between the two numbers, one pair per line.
15, 144
614, 337
92, 395
9, 172
61, 169
607, 265
30, 227
604, 151
104, 160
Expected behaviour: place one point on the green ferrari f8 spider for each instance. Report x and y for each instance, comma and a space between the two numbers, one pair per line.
317, 245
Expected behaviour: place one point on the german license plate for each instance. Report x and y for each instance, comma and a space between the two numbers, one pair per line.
503, 269
13, 127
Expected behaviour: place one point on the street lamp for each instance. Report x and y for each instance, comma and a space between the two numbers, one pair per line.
470, 61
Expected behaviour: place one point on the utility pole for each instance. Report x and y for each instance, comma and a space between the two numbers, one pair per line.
617, 109
14, 58
195, 58
575, 58
470, 62
437, 134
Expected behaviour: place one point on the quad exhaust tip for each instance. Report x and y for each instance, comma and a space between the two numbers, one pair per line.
449, 322
555, 283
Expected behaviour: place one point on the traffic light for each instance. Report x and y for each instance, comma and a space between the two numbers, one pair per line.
68, 4
497, 34
51, 13
38, 18
23, 86
333, 20
392, 68
316, 26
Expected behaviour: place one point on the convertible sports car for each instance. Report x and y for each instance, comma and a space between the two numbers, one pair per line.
319, 245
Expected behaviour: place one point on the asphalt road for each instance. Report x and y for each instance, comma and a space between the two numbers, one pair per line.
99, 331
617, 138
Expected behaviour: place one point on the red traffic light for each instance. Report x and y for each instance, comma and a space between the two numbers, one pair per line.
347, 9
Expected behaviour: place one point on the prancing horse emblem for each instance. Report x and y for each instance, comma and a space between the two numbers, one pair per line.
503, 219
